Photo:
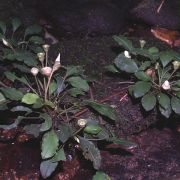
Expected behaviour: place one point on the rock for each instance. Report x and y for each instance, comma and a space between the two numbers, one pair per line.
168, 16
85, 18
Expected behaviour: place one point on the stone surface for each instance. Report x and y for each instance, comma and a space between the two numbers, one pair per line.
168, 16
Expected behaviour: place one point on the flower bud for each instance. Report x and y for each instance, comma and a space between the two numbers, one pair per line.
41, 56
57, 63
126, 54
6, 43
82, 122
34, 71
46, 47
166, 85
150, 72
157, 66
46, 71
142, 43
176, 65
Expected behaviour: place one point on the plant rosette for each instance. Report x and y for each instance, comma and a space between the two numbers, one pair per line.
155, 74
38, 87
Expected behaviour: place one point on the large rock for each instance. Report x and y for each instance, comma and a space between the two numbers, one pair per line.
168, 16
85, 18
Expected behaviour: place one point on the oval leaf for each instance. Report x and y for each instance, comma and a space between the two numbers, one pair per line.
125, 64
175, 103
47, 168
103, 109
92, 129
50, 144
12, 93
124, 41
148, 102
16, 23
141, 75
30, 98
141, 88
166, 57
79, 83
101, 176
164, 100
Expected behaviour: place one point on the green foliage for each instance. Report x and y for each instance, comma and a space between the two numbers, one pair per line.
155, 74
39, 89
103, 109
101, 176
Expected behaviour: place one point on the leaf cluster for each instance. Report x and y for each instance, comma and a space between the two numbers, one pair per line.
156, 75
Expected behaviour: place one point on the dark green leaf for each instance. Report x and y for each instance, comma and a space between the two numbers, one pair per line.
16, 23
64, 132
78, 82
36, 40
2, 27
165, 112
74, 70
52, 87
145, 65
148, 102
141, 75
103, 109
32, 129
12, 93
153, 50
21, 108
177, 83
12, 77
101, 176
13, 125
90, 152
2, 98
141, 88
125, 64
164, 100
166, 57
124, 143
59, 156
112, 69
124, 41
50, 144
92, 129
175, 103
75, 92
47, 124
47, 168
34, 29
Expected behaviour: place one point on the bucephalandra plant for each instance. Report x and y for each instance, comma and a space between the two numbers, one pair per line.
155, 74
36, 91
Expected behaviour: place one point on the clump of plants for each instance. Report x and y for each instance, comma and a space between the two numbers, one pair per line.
155, 74
43, 96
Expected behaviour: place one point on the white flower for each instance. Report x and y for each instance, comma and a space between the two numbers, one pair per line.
41, 56
166, 85
126, 54
142, 43
5, 42
57, 63
34, 71
176, 65
82, 122
46, 71
76, 139
46, 47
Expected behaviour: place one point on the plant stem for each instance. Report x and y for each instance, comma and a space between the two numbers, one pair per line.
2, 84
47, 86
38, 86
